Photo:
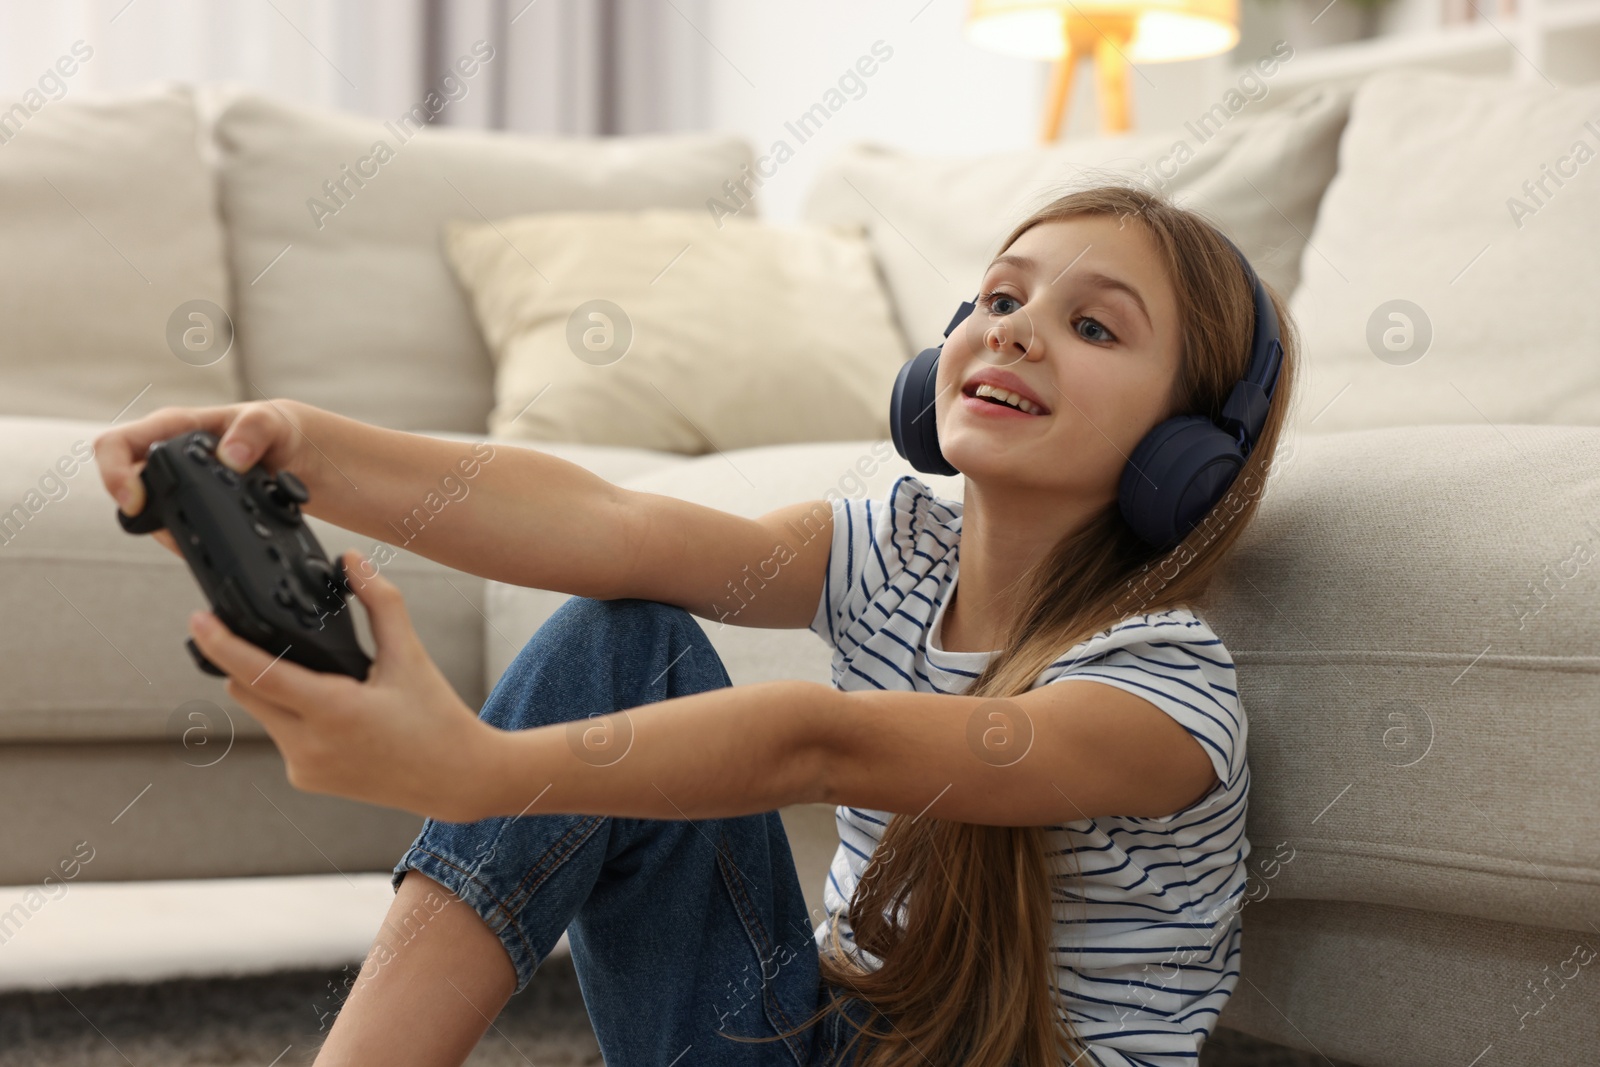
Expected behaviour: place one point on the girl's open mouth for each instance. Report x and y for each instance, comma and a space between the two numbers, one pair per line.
998, 403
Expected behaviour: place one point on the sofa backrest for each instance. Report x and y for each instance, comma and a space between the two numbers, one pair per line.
343, 296
1457, 258
935, 222
111, 232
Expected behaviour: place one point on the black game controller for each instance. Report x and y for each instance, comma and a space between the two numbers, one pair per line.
257, 562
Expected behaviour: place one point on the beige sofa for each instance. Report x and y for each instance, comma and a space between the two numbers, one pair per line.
1413, 615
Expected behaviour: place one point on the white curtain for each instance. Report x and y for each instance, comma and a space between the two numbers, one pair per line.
580, 66
559, 66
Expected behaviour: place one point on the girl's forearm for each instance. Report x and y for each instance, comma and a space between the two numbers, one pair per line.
458, 502
722, 753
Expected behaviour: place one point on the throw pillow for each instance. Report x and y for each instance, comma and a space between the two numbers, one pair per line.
663, 329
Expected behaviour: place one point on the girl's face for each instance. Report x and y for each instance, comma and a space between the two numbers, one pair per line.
1079, 318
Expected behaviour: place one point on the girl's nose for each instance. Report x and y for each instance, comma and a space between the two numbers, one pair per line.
1010, 338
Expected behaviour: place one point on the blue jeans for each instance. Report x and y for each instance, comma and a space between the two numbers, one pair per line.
684, 933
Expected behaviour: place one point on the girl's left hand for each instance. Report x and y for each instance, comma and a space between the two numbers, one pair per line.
401, 739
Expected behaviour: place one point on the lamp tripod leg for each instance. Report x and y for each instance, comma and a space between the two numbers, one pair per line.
1111, 83
1066, 69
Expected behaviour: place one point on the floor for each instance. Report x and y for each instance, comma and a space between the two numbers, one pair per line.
251, 971
278, 1020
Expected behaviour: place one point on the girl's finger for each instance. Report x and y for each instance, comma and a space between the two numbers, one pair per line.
386, 607
274, 717
273, 678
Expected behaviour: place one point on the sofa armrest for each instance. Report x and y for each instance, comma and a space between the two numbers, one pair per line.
1413, 619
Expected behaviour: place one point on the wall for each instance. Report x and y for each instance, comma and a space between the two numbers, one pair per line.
748, 66
771, 60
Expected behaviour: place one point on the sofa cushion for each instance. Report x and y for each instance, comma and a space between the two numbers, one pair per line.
935, 222
614, 463
760, 480
334, 221
92, 620
1452, 272
1421, 689
671, 330
110, 230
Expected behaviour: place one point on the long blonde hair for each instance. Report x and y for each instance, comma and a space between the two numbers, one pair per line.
968, 974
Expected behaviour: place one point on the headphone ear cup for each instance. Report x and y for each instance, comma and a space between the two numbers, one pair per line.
1175, 476
912, 422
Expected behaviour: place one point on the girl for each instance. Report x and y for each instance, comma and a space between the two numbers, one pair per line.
1041, 781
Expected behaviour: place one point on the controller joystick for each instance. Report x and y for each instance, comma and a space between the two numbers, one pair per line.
281, 494
247, 544
292, 487
321, 580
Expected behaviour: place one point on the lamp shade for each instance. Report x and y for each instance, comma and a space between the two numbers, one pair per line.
1163, 29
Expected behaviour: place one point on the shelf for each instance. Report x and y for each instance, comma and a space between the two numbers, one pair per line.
1548, 40
1574, 14
1472, 48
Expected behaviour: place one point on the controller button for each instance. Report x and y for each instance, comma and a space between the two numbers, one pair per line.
227, 477
274, 554
262, 530
205, 440
249, 504
282, 595
293, 487
198, 454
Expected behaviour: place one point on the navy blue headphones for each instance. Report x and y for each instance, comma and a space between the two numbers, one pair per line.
1175, 475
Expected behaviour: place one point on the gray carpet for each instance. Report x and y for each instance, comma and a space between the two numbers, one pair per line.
279, 1020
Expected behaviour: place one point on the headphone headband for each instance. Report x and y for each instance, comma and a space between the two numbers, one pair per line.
1245, 410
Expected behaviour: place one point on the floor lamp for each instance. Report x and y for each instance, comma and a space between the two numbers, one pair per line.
1113, 33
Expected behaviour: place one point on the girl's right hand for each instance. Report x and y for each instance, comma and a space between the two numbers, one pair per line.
263, 431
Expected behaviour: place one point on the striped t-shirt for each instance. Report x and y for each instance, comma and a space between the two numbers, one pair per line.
1148, 955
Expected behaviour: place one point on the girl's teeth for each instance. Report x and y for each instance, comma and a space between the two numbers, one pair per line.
1005, 396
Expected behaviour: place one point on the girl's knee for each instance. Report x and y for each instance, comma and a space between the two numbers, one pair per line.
594, 657
624, 614
613, 631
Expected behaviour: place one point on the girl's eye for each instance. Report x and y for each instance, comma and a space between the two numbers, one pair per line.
991, 300
1103, 336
